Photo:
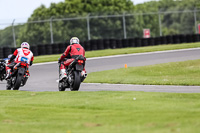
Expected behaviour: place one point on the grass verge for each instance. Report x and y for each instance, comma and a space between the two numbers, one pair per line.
178, 73
98, 112
107, 52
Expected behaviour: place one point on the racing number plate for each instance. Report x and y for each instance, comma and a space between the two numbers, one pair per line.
24, 59
79, 67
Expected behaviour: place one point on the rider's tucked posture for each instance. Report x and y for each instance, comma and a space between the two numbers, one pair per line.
72, 51
20, 54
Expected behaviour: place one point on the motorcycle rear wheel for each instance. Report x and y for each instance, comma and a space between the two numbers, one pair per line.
77, 81
17, 82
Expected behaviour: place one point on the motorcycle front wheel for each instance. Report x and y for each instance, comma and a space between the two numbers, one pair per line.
76, 76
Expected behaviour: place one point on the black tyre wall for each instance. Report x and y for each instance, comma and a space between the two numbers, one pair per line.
113, 43
34, 49
144, 41
169, 39
55, 49
151, 41
87, 45
138, 42
41, 50
176, 39
1, 53
131, 42
106, 43
125, 43
119, 43
7, 51
100, 44
93, 44
49, 50
61, 47
183, 39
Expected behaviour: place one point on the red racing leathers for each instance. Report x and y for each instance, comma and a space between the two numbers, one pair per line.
73, 50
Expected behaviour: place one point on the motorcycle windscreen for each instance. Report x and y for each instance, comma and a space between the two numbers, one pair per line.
79, 67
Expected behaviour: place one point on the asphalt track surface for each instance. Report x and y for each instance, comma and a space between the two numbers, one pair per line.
44, 75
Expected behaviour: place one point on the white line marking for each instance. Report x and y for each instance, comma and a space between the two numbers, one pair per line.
124, 55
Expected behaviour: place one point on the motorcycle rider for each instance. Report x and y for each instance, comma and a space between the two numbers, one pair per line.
71, 52
20, 54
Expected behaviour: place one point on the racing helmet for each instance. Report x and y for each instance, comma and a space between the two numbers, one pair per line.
25, 45
74, 40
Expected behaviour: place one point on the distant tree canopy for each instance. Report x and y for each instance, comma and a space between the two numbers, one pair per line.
62, 30
104, 27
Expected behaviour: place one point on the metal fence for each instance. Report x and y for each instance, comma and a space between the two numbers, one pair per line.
121, 26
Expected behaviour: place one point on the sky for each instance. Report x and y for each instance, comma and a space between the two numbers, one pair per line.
21, 10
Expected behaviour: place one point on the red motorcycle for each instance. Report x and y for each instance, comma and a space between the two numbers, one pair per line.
19, 76
74, 76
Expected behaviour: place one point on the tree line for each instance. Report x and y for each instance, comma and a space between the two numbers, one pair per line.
105, 27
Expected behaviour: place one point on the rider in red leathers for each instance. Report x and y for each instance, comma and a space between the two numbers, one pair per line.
72, 51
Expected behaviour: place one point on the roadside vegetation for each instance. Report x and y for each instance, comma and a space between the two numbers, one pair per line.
108, 52
176, 73
94, 112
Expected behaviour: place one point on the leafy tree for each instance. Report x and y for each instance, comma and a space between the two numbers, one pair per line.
62, 30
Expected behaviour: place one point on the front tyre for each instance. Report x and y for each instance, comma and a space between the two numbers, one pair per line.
76, 81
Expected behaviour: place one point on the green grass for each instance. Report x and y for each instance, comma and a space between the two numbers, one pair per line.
178, 73
98, 112
107, 52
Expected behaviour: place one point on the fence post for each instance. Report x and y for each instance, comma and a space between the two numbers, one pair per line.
124, 25
195, 20
13, 30
88, 26
51, 30
160, 26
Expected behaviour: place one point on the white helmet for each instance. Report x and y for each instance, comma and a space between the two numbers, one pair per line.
25, 45
74, 40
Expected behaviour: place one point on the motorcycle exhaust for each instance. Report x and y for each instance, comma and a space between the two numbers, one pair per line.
85, 75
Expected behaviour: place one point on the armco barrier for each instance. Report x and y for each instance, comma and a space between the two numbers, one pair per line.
100, 44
